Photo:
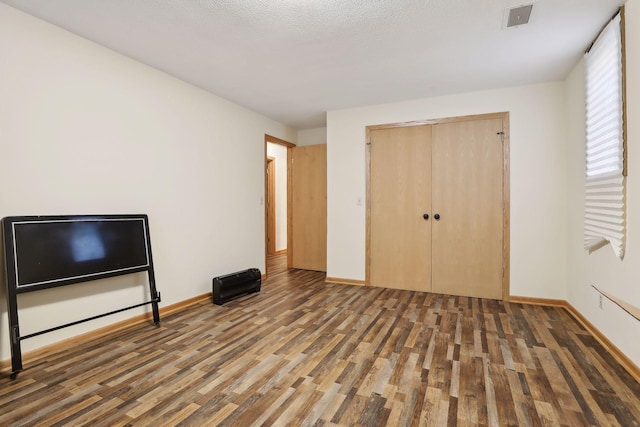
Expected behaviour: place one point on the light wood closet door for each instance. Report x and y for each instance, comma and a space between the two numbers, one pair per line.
467, 194
400, 250
452, 171
309, 206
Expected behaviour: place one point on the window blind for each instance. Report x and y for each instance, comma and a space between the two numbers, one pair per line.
604, 210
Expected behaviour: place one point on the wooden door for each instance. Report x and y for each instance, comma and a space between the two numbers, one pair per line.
467, 194
271, 205
452, 169
309, 207
399, 245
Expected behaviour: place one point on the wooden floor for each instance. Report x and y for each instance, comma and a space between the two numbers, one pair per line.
277, 263
303, 352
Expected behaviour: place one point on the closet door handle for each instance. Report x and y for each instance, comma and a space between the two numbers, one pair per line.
436, 217
425, 216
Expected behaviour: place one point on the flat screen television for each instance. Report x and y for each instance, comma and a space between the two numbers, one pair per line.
48, 251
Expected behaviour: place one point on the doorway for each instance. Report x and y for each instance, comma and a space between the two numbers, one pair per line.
438, 211
277, 209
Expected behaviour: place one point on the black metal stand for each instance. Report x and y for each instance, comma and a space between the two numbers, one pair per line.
14, 327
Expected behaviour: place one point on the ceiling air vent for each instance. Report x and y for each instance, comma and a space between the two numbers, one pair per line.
518, 15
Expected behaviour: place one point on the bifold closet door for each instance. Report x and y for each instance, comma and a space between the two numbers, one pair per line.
467, 194
400, 237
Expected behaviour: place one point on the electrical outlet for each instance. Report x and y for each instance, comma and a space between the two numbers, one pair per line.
600, 301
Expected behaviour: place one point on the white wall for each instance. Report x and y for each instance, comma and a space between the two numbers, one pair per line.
313, 136
280, 153
538, 180
602, 268
86, 130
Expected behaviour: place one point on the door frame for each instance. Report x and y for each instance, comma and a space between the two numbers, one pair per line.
505, 186
274, 140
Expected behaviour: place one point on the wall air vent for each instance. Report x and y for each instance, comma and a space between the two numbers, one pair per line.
518, 15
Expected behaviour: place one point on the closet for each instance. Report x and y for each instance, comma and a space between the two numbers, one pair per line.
437, 211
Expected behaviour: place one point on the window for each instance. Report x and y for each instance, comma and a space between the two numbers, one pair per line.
604, 211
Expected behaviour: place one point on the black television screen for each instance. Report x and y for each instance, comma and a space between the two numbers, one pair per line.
52, 251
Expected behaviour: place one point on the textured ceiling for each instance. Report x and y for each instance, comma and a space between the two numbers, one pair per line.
293, 60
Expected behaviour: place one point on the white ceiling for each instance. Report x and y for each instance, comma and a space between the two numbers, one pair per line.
293, 60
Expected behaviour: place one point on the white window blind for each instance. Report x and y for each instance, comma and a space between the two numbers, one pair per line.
604, 211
